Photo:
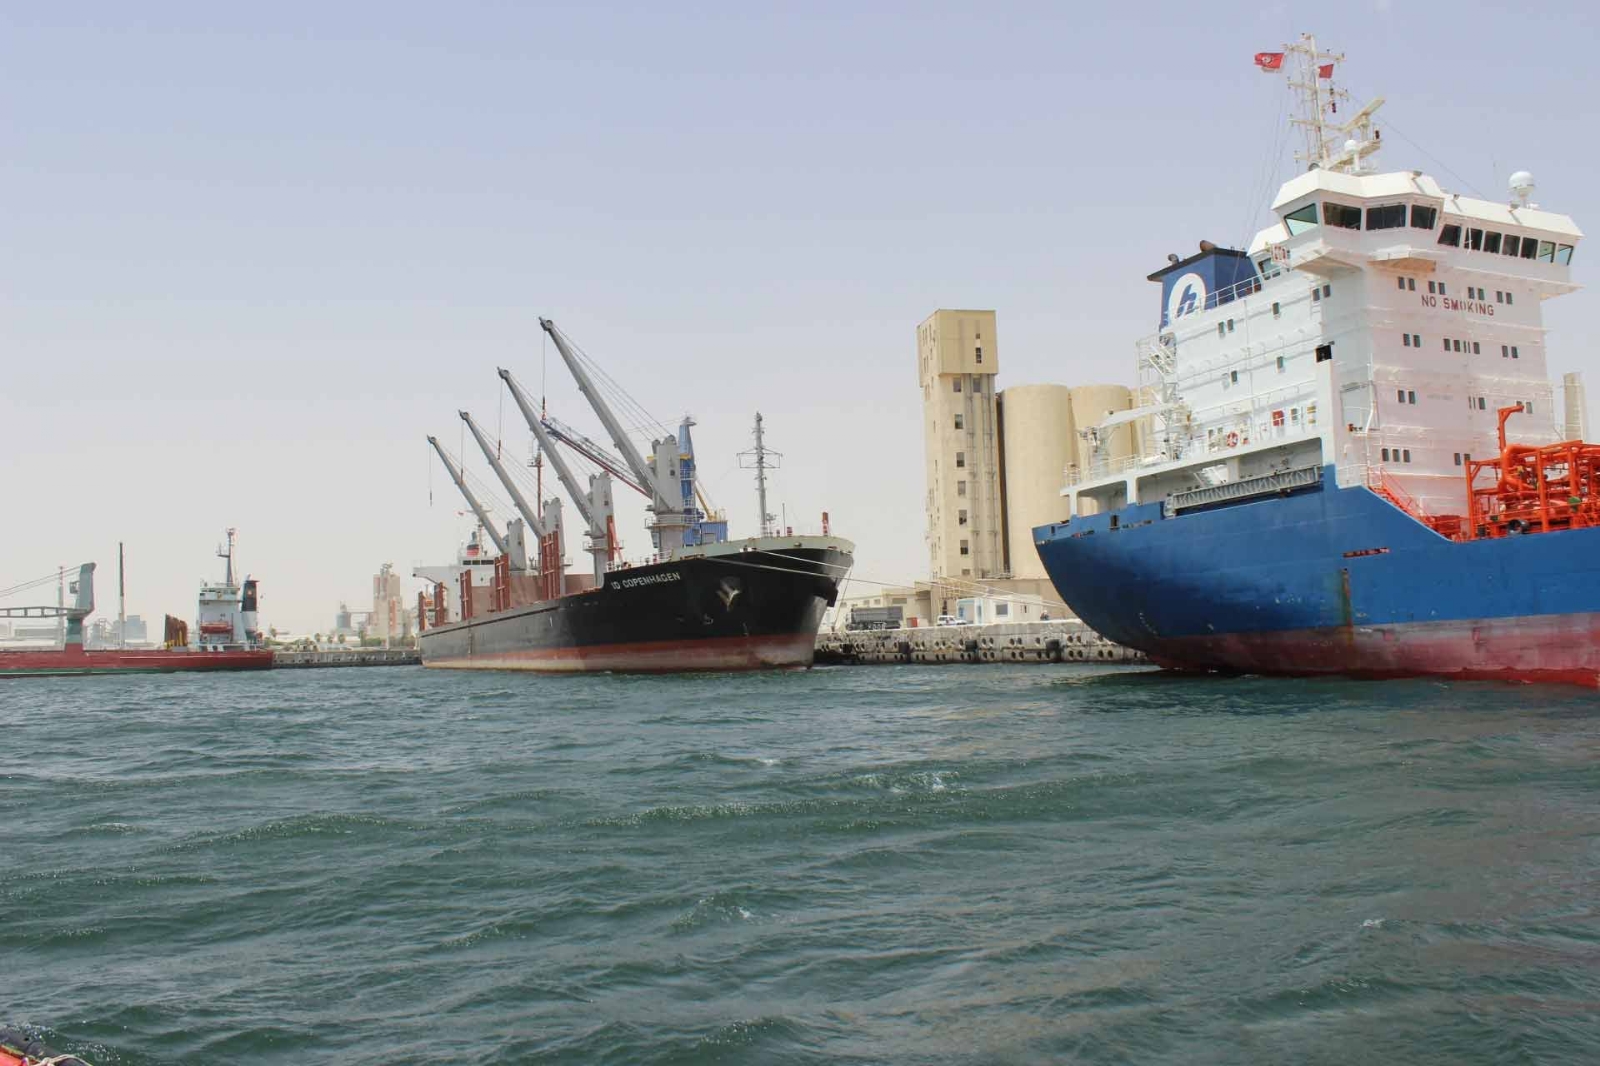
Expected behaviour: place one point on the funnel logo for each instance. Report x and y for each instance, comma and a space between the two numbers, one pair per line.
1188, 295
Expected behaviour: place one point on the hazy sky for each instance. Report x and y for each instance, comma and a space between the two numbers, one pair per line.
250, 255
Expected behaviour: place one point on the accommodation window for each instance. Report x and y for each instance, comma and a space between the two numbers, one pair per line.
1400, 394
1456, 344
961, 460
1446, 343
1340, 215
1441, 288
1389, 216
1527, 406
1499, 297
977, 353
1277, 311
1416, 340
961, 488
1509, 300
1411, 397
1386, 455
1491, 242
964, 549
1510, 245
1505, 351
961, 517
1280, 364
1300, 221
1316, 295
1451, 235
1405, 338
1514, 351
958, 420
1431, 286
1233, 377
1230, 325
1220, 329
1458, 458
1327, 290
1324, 353
1411, 284
1402, 282
957, 383
1481, 404
1476, 350
1423, 217
1405, 456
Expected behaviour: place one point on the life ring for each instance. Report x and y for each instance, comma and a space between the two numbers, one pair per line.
1233, 440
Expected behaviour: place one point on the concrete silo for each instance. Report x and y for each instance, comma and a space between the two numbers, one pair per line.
1091, 405
1038, 441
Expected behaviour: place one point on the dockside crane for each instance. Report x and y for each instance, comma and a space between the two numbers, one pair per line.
595, 503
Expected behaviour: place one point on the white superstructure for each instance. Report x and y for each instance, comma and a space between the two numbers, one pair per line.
1426, 304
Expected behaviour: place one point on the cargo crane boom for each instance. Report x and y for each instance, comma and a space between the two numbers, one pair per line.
523, 507
660, 502
557, 460
565, 434
458, 476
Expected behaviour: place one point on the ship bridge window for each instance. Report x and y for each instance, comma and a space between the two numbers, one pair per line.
1475, 239
1389, 216
1547, 252
1529, 247
1491, 242
1510, 246
1301, 220
1341, 215
1450, 235
1564, 255
1423, 217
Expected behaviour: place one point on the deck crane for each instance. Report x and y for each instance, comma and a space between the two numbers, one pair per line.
458, 476
595, 504
671, 517
83, 588
524, 508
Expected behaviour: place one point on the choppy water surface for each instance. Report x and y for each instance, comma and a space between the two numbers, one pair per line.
880, 864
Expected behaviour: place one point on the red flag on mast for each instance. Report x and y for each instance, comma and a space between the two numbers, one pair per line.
1325, 71
1269, 61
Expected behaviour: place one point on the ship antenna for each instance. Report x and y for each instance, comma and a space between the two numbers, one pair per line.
761, 459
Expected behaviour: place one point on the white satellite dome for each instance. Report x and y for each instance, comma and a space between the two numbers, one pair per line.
1522, 186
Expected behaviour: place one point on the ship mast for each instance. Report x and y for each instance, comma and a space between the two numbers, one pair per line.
762, 459
122, 604
227, 553
458, 476
1330, 143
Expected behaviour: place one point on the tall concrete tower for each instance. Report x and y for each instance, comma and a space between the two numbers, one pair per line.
958, 355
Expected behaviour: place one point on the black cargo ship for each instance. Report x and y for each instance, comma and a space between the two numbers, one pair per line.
737, 605
701, 602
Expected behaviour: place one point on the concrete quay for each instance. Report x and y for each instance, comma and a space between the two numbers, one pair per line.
1055, 641
305, 660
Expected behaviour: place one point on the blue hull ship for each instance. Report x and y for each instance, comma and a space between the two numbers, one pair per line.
1348, 454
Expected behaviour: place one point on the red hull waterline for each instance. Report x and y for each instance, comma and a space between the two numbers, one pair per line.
61, 662
667, 656
1559, 649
